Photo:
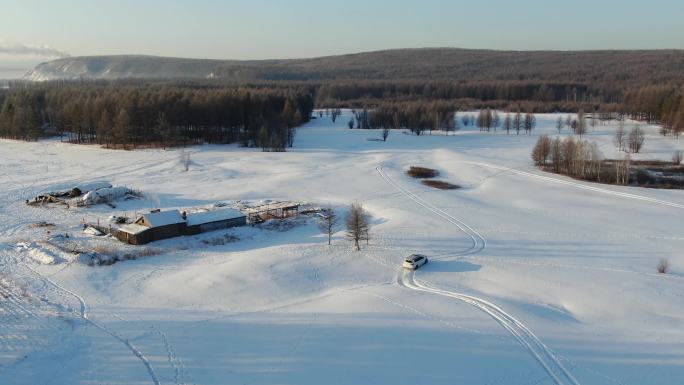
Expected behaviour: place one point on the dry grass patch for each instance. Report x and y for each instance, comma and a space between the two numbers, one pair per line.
422, 172
440, 184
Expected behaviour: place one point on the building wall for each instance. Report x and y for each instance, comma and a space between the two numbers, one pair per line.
176, 230
168, 231
205, 227
134, 239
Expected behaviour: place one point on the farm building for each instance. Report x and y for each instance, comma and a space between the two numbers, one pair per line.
163, 224
133, 234
213, 220
158, 225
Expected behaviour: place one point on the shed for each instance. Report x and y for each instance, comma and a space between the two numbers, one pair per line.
213, 220
163, 224
133, 234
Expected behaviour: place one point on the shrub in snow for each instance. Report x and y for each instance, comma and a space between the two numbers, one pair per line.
663, 266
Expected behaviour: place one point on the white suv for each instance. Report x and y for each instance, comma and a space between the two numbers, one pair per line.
414, 261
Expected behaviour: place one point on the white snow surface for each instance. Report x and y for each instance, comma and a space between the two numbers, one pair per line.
533, 278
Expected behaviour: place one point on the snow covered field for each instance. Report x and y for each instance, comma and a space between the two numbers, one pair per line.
534, 278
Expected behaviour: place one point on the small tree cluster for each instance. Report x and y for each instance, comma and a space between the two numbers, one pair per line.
635, 139
486, 120
577, 158
417, 116
334, 113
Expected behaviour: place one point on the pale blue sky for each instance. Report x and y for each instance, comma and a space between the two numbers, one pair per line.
234, 29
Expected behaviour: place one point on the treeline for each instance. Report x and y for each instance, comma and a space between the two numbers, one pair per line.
416, 116
569, 95
663, 104
125, 114
658, 104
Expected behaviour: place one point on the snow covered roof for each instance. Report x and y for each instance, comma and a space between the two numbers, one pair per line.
163, 218
133, 228
213, 216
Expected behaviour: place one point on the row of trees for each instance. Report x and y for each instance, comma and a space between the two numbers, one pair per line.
428, 116
577, 125
358, 92
130, 115
419, 117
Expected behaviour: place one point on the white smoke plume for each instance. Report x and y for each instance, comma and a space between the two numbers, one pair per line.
27, 50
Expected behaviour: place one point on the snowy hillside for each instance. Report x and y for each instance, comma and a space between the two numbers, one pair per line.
121, 67
533, 278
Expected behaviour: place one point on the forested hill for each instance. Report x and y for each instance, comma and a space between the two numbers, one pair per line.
595, 67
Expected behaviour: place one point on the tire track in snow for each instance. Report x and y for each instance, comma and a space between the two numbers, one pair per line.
479, 243
540, 352
546, 358
84, 315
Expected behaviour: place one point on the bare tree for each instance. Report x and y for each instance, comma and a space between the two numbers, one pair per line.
541, 150
620, 136
357, 225
496, 120
518, 122
530, 122
556, 155
185, 161
635, 139
508, 124
385, 133
663, 266
622, 170
581, 127
568, 121
559, 124
335, 112
328, 222
453, 125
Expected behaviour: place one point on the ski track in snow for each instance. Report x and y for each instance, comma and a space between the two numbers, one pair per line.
546, 358
84, 315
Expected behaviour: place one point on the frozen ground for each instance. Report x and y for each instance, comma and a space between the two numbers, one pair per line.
534, 278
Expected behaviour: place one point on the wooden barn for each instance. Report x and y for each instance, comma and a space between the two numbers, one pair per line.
133, 234
214, 220
158, 225
163, 224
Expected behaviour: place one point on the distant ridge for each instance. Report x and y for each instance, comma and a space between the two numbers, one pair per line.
656, 66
